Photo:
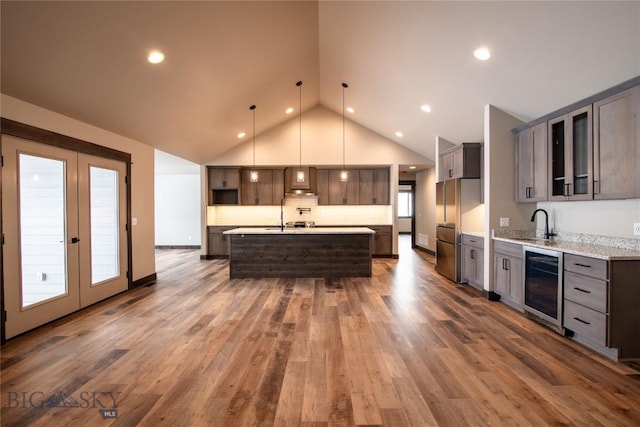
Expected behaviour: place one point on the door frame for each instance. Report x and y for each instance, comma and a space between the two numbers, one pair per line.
43, 136
413, 210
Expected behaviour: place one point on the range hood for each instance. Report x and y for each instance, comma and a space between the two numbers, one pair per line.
300, 181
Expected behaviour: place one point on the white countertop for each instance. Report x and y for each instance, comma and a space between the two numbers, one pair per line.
313, 230
577, 248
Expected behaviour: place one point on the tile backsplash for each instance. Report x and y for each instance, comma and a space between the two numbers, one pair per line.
321, 215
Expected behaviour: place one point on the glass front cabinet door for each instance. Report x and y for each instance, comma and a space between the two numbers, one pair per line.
571, 156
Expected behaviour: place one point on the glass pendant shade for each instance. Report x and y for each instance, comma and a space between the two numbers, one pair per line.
344, 176
253, 176
300, 176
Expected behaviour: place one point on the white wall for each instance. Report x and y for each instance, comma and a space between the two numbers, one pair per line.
321, 145
177, 201
142, 170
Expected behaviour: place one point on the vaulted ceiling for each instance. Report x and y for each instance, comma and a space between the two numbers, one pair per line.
87, 60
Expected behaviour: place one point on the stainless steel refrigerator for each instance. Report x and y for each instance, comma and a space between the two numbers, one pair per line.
457, 200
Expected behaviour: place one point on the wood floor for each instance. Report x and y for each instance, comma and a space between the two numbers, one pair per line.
403, 348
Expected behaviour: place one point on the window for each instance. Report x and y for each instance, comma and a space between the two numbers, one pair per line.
405, 201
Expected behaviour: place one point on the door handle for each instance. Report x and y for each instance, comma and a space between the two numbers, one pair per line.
74, 240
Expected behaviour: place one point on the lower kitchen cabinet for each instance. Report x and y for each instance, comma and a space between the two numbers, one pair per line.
382, 240
600, 304
217, 244
472, 270
508, 277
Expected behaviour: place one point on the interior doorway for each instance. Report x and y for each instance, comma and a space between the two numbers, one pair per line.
406, 210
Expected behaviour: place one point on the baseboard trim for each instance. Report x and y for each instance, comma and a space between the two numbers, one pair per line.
210, 257
178, 246
429, 251
144, 281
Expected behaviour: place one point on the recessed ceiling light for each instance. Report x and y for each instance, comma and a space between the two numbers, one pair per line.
482, 53
242, 135
155, 57
350, 109
289, 110
412, 167
426, 108
399, 134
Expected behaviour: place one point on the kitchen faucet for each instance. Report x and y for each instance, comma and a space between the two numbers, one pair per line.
547, 235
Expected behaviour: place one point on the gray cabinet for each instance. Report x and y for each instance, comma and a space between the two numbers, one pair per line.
373, 186
472, 271
571, 156
217, 243
461, 161
616, 146
508, 274
600, 304
531, 164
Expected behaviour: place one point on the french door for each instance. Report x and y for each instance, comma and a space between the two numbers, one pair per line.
64, 221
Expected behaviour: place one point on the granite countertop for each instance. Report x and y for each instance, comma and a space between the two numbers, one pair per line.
312, 230
609, 253
473, 233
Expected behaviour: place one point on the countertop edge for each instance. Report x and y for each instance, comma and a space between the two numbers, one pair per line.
594, 251
300, 231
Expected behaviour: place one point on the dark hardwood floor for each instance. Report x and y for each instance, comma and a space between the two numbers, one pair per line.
403, 348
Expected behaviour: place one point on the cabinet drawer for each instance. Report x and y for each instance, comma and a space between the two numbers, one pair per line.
476, 242
591, 267
586, 291
511, 249
588, 323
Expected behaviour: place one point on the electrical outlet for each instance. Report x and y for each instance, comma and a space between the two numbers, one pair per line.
636, 228
504, 222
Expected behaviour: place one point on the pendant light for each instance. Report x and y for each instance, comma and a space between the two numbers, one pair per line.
344, 175
300, 175
253, 174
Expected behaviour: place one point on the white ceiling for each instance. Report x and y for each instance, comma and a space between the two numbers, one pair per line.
87, 60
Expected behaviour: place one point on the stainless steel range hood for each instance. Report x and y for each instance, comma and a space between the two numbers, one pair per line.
300, 181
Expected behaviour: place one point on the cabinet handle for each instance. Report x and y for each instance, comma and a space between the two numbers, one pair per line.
472, 254
224, 183
596, 184
581, 265
450, 173
224, 237
528, 192
581, 321
582, 290
374, 201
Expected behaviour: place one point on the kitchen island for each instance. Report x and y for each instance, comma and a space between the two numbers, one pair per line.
300, 252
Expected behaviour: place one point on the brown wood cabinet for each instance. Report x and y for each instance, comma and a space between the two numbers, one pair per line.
223, 186
217, 243
531, 164
373, 186
382, 240
269, 190
343, 193
616, 146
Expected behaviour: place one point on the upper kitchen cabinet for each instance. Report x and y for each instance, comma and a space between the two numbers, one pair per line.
224, 185
269, 190
571, 156
373, 187
461, 161
531, 164
344, 192
616, 146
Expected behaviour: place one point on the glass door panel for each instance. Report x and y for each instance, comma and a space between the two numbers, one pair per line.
41, 185
40, 226
105, 264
